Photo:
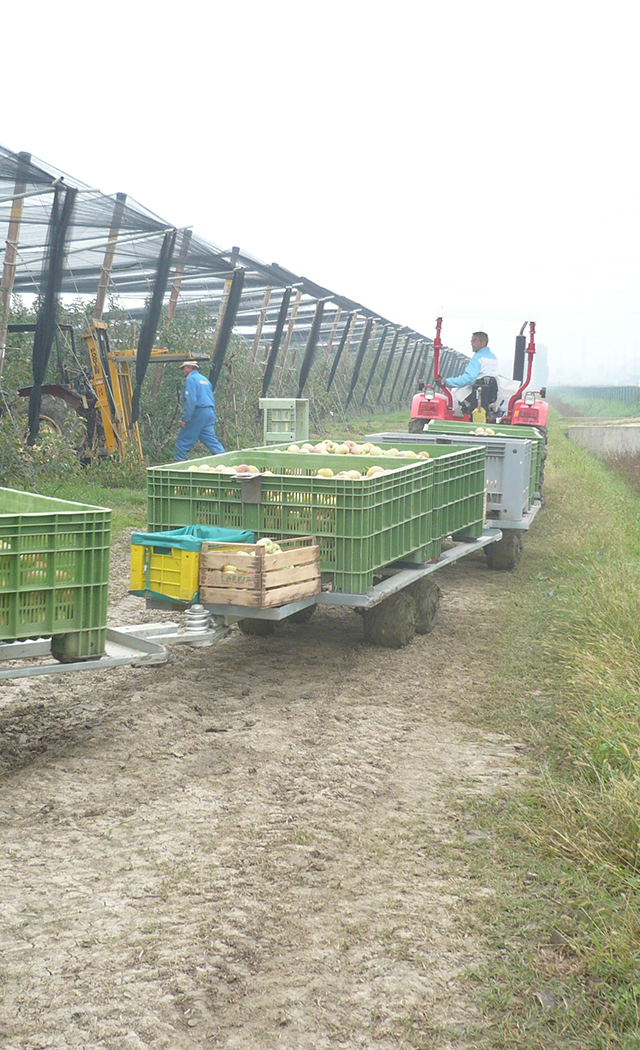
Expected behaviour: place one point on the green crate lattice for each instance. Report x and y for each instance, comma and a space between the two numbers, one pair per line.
360, 526
54, 572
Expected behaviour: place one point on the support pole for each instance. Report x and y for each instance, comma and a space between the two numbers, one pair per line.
339, 351
374, 363
261, 322
287, 338
399, 369
362, 349
387, 367
226, 329
185, 243
11, 251
109, 255
312, 342
225, 298
275, 342
332, 335
413, 364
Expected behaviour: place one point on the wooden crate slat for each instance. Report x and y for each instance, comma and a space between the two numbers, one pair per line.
263, 580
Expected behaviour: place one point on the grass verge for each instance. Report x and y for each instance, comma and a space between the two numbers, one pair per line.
563, 926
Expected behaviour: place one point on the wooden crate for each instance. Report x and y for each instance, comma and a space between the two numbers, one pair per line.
262, 580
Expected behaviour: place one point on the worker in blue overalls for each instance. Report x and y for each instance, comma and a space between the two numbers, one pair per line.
198, 413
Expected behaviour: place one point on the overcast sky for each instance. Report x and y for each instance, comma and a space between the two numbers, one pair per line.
478, 161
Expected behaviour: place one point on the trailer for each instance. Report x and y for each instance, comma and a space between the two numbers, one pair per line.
380, 539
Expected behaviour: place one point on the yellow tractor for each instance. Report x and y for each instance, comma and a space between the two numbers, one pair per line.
101, 393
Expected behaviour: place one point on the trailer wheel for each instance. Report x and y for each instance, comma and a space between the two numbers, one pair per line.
392, 623
257, 628
303, 616
416, 426
506, 553
426, 595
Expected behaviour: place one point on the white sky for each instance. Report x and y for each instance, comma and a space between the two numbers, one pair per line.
475, 160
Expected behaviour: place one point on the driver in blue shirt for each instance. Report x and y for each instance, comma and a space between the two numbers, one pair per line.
483, 363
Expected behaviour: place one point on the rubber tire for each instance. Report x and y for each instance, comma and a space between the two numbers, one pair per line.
303, 616
416, 426
506, 553
426, 595
61, 418
392, 623
257, 628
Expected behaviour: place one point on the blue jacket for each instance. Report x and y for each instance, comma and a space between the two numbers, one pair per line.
197, 393
483, 362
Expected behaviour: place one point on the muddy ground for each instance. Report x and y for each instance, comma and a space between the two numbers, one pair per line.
246, 848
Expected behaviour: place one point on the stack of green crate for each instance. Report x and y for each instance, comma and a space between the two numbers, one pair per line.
360, 525
454, 427
54, 573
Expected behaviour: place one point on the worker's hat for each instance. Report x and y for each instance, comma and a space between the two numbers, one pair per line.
189, 364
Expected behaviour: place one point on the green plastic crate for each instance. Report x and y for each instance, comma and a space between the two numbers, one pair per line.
54, 573
459, 487
360, 526
439, 426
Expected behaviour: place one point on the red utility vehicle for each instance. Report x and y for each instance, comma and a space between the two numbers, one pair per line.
485, 403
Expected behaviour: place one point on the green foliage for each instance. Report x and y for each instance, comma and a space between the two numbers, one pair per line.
600, 407
26, 468
568, 673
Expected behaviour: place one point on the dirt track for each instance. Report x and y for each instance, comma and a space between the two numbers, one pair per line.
246, 847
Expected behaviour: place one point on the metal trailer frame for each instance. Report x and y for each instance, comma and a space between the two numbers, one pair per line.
146, 644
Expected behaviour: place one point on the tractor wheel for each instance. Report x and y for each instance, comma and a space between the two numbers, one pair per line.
303, 616
416, 426
426, 595
56, 414
257, 628
506, 553
392, 623
60, 418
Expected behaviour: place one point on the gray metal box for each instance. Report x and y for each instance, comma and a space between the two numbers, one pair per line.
507, 468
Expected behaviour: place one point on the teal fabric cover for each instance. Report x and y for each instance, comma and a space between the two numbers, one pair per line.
191, 537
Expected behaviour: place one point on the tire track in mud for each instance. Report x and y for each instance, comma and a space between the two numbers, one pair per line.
247, 847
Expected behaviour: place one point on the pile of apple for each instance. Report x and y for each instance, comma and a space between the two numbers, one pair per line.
270, 547
352, 448
485, 432
223, 468
344, 448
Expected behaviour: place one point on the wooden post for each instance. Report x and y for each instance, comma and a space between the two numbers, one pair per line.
11, 252
352, 328
225, 298
179, 274
261, 321
110, 251
173, 300
287, 338
332, 336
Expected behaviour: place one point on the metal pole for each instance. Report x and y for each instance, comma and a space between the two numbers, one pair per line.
11, 251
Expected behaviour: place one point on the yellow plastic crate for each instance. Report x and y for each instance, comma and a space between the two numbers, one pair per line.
165, 571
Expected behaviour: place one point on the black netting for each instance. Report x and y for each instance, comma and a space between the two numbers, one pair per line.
131, 277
